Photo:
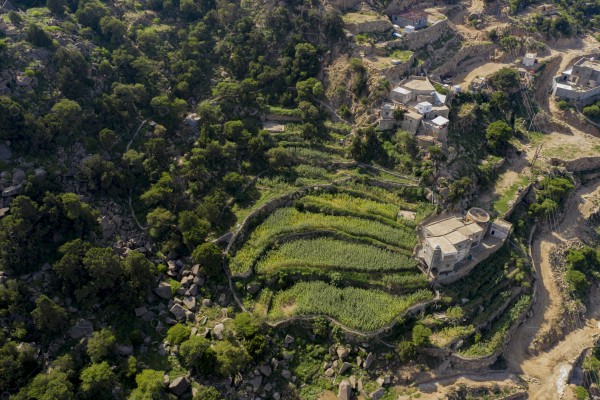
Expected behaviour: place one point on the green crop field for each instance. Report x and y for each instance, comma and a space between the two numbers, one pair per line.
326, 253
355, 308
289, 220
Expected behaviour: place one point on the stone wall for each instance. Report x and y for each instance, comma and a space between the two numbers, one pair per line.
423, 37
517, 201
464, 57
583, 164
379, 26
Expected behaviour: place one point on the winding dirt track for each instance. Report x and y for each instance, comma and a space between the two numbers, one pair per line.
547, 371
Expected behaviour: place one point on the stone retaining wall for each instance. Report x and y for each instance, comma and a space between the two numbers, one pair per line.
423, 37
579, 165
517, 201
464, 57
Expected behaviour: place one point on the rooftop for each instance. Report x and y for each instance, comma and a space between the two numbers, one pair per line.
443, 243
502, 224
454, 229
440, 121
419, 83
414, 15
402, 90
591, 63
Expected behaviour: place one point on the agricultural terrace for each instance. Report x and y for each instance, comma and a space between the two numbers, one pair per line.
345, 252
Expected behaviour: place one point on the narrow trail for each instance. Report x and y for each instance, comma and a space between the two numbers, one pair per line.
546, 371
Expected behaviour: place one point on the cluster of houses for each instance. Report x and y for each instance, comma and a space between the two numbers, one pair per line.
423, 111
452, 246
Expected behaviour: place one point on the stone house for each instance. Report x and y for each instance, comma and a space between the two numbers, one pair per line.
422, 105
449, 244
580, 83
416, 19
529, 59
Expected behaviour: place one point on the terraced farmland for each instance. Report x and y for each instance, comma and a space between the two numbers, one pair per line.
343, 252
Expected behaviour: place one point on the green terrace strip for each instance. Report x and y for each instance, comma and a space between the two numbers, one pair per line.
327, 253
494, 339
289, 220
362, 309
352, 205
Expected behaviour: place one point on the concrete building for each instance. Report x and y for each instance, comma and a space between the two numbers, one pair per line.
529, 59
449, 241
580, 83
416, 19
451, 247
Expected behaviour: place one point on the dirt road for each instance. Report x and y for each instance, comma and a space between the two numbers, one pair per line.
547, 371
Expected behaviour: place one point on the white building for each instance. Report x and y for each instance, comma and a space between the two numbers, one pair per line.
424, 107
529, 59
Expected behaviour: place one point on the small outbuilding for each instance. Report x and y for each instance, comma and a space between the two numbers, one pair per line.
529, 59
424, 107
500, 229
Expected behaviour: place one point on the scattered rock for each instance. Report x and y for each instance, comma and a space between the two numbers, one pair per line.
265, 370
329, 372
163, 290
81, 329
253, 288
288, 339
140, 311
189, 302
345, 367
206, 302
179, 385
125, 350
344, 391
286, 374
376, 395
256, 382
368, 361
342, 352
178, 312
218, 330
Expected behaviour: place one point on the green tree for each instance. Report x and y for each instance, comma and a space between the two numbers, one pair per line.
149, 386
498, 133
207, 393
101, 345
48, 316
193, 228
209, 257
168, 112
197, 353
37, 36
53, 385
233, 182
178, 334
108, 138
90, 12
140, 273
577, 282
98, 381
506, 79
406, 351
231, 358
245, 325
12, 118
421, 335
160, 221
16, 365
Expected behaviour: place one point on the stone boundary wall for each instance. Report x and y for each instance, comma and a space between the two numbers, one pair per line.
281, 118
578, 165
423, 37
464, 57
379, 26
517, 200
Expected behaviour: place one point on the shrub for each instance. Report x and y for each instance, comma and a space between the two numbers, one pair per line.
562, 104
178, 334
421, 335
406, 351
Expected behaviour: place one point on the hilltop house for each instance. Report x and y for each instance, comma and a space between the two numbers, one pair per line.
424, 110
451, 243
579, 83
415, 19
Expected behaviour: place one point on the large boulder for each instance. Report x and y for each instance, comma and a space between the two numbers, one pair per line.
265, 370
178, 312
179, 385
376, 395
218, 330
163, 290
344, 391
368, 361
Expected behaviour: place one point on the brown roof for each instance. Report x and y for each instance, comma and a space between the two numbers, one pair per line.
414, 15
